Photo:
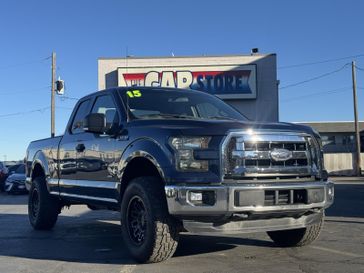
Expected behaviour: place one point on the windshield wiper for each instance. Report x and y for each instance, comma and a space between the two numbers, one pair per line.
166, 116
222, 118
184, 117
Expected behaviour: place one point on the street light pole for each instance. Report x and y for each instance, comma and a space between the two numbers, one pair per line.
357, 132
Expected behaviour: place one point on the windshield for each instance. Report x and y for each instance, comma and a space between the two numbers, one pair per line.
169, 104
20, 169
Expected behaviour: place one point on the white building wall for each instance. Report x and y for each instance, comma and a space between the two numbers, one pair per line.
341, 163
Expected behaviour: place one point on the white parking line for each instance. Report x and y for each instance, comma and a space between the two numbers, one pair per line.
128, 268
349, 254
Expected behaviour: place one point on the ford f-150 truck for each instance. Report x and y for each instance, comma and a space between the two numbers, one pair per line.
172, 161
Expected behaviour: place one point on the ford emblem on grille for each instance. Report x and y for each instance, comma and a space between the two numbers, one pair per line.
280, 154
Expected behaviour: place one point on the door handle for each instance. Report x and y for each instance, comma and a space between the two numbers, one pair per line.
80, 147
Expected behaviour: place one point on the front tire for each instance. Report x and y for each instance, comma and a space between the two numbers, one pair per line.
297, 237
43, 208
149, 232
91, 207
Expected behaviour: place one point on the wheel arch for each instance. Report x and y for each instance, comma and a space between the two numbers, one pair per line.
144, 157
39, 167
138, 166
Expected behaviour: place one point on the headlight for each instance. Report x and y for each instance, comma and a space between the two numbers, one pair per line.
184, 147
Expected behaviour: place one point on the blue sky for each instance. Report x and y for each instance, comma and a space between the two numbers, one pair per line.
82, 31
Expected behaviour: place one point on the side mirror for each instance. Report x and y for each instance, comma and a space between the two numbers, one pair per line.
95, 123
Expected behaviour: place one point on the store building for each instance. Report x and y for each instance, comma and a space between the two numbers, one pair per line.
338, 139
338, 136
247, 82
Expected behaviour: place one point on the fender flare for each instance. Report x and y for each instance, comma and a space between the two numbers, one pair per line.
149, 149
40, 159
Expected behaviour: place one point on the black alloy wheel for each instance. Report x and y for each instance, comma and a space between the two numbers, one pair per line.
137, 220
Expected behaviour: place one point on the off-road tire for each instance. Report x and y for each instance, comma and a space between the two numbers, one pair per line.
297, 237
161, 230
43, 208
91, 207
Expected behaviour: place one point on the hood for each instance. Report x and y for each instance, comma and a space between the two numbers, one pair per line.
16, 177
217, 127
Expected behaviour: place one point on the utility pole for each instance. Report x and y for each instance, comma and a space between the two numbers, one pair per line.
357, 132
52, 94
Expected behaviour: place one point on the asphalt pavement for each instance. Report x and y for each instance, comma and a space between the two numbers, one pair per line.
90, 241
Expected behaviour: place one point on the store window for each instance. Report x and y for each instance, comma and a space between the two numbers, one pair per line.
328, 140
348, 140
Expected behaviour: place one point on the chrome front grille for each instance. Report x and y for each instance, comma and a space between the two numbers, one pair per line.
262, 154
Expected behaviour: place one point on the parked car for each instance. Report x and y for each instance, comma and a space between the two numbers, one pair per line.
15, 183
13, 168
178, 160
3, 175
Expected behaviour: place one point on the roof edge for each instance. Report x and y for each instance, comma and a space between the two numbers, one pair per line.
190, 56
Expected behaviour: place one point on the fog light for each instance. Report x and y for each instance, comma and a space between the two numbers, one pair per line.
315, 195
195, 196
202, 198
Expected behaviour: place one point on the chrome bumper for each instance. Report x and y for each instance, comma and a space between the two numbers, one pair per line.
253, 225
253, 198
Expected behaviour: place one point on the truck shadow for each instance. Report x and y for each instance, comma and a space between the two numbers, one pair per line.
85, 240
13, 199
199, 244
349, 201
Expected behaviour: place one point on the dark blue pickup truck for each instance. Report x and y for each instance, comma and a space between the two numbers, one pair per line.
172, 161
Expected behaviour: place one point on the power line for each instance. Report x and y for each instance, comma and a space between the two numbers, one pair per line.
68, 98
23, 64
24, 92
333, 91
359, 68
321, 62
41, 110
315, 78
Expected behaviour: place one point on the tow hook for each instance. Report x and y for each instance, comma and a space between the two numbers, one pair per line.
240, 216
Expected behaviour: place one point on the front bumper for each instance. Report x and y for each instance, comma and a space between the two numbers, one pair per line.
254, 202
15, 186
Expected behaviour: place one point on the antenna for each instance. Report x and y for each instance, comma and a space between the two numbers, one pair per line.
126, 57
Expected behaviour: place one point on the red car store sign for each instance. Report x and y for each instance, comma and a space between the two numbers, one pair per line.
226, 82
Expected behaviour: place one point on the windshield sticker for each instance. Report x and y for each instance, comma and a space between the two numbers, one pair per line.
134, 94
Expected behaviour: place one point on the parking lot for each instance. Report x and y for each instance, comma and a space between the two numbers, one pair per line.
90, 241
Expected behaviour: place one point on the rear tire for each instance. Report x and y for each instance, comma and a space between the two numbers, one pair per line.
43, 208
149, 232
297, 237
